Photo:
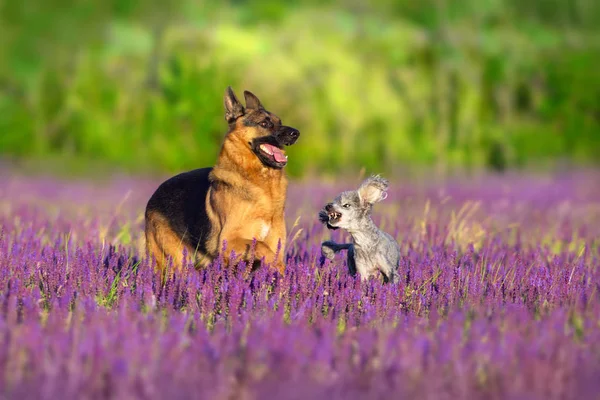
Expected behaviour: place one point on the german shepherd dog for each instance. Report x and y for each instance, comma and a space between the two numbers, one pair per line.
240, 200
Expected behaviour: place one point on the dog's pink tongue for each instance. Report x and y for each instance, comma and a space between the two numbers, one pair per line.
278, 155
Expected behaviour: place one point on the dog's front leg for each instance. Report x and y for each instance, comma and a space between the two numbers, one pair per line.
243, 249
329, 248
276, 240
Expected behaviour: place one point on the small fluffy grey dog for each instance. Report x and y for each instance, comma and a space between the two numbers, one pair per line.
372, 251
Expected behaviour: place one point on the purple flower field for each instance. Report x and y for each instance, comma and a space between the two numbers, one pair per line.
498, 299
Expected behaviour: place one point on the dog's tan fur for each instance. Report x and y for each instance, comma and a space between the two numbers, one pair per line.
245, 201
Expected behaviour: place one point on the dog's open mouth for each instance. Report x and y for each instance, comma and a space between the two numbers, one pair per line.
334, 216
274, 153
329, 218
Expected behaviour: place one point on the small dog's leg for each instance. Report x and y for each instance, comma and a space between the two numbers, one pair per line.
351, 260
390, 274
329, 248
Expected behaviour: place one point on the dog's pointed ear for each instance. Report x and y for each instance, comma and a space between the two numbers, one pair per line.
252, 102
373, 189
233, 108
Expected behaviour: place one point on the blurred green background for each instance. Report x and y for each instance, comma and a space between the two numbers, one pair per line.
450, 85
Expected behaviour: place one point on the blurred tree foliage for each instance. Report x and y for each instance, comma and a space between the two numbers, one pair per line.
452, 84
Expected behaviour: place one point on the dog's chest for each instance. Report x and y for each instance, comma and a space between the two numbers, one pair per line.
264, 229
369, 263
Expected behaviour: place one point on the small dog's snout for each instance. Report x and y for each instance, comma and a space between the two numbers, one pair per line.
329, 207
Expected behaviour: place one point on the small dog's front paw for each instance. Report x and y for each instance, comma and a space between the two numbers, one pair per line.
327, 250
328, 253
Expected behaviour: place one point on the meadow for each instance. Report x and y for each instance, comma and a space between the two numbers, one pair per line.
484, 115
498, 298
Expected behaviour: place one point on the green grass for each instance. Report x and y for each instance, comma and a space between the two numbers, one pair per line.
464, 85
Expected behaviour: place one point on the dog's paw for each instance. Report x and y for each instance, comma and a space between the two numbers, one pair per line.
280, 267
327, 250
328, 253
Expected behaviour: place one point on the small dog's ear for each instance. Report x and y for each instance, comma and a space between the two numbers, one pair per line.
252, 102
233, 108
373, 189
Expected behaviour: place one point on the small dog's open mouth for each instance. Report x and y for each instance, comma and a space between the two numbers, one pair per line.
329, 217
334, 216
274, 153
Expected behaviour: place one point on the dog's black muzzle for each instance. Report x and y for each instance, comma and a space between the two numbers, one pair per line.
286, 135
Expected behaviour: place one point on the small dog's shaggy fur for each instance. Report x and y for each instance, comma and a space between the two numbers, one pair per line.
372, 251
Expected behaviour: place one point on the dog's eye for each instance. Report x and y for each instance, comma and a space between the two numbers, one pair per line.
266, 124
346, 205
